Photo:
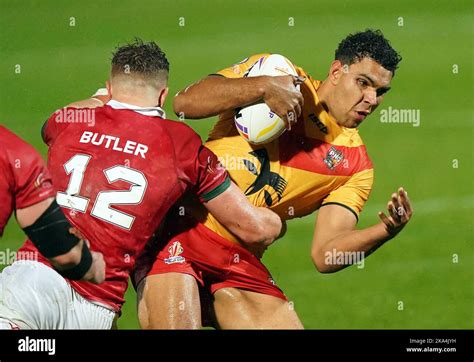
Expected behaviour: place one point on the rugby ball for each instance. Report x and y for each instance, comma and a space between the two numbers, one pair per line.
257, 123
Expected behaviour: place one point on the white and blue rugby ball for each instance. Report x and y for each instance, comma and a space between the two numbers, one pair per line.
257, 123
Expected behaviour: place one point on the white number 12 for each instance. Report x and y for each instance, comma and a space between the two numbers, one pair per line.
133, 196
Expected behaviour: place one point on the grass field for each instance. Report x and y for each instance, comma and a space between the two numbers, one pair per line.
45, 63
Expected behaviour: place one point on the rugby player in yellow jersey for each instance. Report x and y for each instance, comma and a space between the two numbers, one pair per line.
321, 163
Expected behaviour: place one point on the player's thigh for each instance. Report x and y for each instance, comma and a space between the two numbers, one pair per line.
85, 314
33, 296
242, 309
169, 301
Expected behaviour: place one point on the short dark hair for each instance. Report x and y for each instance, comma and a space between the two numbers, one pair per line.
368, 44
146, 59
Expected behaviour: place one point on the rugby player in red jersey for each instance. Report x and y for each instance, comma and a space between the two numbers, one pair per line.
27, 190
119, 168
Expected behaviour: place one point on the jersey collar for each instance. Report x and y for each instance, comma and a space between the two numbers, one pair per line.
146, 111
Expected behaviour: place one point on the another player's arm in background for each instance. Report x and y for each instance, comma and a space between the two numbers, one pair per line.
229, 90
335, 231
98, 99
73, 259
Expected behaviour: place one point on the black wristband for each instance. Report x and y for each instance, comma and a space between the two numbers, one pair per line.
77, 272
50, 233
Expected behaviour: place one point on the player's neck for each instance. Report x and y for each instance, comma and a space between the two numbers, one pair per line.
135, 101
323, 91
324, 95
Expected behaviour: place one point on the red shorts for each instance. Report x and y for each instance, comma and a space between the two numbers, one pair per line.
191, 248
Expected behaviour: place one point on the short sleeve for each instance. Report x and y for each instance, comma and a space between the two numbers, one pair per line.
201, 169
354, 193
240, 69
32, 180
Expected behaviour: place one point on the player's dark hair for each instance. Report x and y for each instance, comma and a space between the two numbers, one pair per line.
141, 58
368, 44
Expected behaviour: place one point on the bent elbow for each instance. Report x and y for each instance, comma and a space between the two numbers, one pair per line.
255, 235
268, 231
179, 106
67, 260
261, 233
320, 264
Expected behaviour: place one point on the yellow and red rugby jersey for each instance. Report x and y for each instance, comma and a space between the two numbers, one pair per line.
317, 163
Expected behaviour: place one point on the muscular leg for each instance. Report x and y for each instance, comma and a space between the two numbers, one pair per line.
169, 301
243, 309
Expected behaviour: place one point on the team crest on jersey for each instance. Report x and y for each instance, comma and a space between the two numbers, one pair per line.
39, 180
213, 166
333, 158
175, 250
42, 182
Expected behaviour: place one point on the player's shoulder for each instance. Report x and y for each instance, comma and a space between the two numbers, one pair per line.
345, 146
65, 117
8, 136
177, 130
16, 152
357, 152
13, 142
179, 139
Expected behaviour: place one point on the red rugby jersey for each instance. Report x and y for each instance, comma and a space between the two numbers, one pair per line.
117, 171
24, 179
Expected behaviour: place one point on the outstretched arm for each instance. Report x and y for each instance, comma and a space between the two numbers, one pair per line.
335, 232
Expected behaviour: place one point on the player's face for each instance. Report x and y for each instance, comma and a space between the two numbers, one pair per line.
359, 89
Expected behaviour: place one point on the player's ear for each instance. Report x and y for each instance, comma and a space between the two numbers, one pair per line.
336, 71
108, 85
162, 97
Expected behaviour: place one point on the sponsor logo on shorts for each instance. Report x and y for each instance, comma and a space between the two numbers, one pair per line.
175, 250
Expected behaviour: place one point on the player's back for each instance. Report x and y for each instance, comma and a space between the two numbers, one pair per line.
116, 177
